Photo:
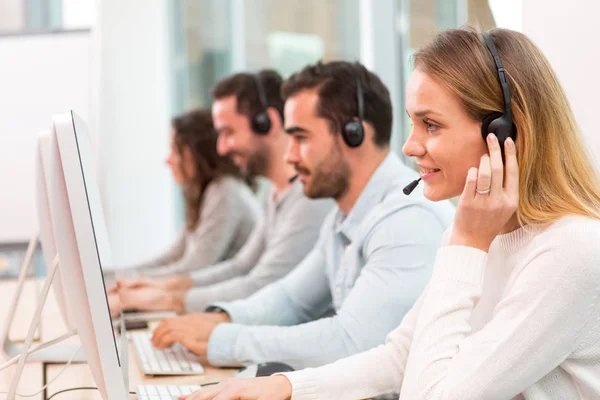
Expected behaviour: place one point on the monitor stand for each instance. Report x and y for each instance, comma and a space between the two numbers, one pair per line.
50, 351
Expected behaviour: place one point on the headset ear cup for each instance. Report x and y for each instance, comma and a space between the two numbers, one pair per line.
485, 124
353, 133
261, 123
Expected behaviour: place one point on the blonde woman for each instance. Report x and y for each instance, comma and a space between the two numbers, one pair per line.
513, 307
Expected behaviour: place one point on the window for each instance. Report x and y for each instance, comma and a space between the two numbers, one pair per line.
39, 16
214, 38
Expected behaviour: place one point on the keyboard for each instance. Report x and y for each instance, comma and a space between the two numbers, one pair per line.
150, 392
176, 360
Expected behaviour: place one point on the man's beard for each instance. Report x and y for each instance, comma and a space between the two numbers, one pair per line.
330, 179
257, 164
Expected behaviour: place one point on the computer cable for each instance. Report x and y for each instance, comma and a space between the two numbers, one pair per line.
38, 348
53, 379
77, 388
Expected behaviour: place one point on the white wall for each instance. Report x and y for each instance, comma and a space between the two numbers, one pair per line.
132, 85
12, 15
508, 13
567, 33
78, 14
39, 76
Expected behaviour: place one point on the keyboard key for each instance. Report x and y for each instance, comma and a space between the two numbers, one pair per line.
163, 390
165, 366
175, 360
174, 390
197, 368
151, 390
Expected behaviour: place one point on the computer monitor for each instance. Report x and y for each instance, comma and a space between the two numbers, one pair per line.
47, 352
83, 248
46, 226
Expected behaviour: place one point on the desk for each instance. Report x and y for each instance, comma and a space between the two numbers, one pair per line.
76, 374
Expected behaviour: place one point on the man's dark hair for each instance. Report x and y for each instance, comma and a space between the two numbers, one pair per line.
336, 84
244, 87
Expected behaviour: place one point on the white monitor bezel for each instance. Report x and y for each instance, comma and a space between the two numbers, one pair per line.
82, 244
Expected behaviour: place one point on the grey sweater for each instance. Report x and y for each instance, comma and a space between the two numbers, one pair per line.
229, 213
287, 233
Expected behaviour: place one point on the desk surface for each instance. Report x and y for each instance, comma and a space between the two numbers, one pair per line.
33, 376
76, 374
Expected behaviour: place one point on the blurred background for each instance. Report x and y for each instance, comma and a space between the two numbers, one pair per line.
128, 66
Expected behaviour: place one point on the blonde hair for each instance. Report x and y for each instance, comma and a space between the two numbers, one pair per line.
556, 174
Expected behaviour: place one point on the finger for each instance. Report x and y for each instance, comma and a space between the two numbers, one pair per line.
233, 394
484, 179
470, 185
112, 289
132, 283
125, 298
497, 167
512, 167
183, 334
115, 305
188, 341
163, 340
161, 329
167, 340
207, 393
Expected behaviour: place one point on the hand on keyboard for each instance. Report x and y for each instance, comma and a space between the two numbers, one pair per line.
175, 360
151, 299
192, 331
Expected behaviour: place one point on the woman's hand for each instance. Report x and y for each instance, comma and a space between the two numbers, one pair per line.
490, 197
276, 387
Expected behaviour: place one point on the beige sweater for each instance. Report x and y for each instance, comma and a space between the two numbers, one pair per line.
229, 212
522, 322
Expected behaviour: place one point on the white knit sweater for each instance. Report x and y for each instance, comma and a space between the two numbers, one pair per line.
522, 321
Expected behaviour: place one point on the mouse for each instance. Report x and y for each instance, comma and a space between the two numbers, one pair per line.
263, 369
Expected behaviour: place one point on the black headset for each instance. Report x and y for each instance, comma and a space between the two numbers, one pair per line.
501, 124
261, 123
352, 131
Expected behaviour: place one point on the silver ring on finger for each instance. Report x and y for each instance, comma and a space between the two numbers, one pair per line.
483, 192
